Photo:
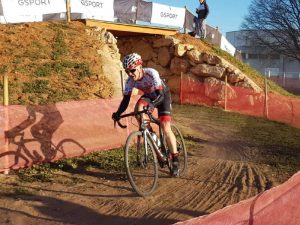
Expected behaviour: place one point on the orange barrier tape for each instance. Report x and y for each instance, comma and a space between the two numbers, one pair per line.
279, 205
50, 132
243, 100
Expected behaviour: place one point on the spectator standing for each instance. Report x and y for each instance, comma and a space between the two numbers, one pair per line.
200, 20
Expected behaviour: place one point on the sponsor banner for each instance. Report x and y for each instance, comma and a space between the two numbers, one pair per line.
21, 7
227, 46
167, 15
16, 11
94, 9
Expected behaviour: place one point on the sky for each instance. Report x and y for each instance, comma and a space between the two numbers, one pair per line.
228, 15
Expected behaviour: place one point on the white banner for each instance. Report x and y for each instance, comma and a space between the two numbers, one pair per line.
227, 46
167, 15
94, 9
35, 7
15, 11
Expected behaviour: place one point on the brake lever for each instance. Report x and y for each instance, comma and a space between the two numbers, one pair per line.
121, 125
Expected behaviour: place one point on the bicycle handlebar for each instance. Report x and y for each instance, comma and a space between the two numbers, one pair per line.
152, 118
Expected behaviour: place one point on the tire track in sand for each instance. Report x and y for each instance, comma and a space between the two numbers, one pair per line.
216, 183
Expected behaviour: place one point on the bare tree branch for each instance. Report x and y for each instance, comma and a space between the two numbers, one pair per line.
275, 25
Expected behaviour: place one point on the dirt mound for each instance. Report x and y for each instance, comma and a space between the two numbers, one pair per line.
51, 62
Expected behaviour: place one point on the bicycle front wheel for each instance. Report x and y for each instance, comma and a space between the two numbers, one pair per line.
141, 164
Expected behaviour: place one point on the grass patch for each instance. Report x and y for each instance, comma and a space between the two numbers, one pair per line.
35, 51
23, 191
83, 70
43, 71
109, 161
37, 86
59, 46
58, 67
59, 25
42, 173
255, 129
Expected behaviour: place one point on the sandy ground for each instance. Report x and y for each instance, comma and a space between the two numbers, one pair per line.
221, 172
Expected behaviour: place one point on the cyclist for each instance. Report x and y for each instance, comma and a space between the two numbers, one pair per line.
156, 95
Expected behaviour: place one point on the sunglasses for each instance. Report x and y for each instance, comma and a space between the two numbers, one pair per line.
130, 71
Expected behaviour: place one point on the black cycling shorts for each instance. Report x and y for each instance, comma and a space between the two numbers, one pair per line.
164, 108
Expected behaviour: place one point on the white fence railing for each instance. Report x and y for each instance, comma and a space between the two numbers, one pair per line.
283, 74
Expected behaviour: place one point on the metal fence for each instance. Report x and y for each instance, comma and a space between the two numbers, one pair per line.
290, 81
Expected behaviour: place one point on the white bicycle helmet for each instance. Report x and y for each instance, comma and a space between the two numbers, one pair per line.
131, 61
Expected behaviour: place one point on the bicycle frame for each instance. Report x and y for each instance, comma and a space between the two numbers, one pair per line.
143, 124
146, 133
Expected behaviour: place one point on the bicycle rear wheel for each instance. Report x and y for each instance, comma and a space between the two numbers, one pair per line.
141, 165
181, 149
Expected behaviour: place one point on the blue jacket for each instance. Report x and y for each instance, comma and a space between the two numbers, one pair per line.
202, 10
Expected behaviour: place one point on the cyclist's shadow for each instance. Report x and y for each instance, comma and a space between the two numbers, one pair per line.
42, 131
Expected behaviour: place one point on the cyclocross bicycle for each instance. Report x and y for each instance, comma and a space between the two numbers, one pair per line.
144, 151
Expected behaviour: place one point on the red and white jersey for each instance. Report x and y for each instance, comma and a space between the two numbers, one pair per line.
148, 84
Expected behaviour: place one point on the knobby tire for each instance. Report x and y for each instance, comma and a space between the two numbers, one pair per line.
181, 149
